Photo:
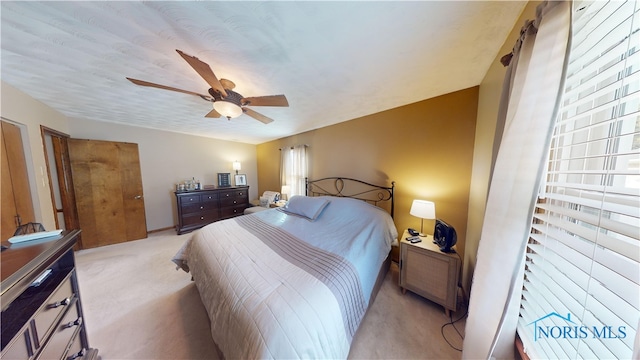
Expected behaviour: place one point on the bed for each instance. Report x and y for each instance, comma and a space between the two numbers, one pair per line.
295, 281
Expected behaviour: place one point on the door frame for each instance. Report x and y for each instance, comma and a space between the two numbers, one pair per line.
65, 190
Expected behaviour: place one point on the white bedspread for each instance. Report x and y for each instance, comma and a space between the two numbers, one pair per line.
270, 282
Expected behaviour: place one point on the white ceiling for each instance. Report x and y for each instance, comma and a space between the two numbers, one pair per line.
335, 61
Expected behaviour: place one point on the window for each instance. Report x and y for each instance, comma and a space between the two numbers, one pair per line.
581, 296
294, 169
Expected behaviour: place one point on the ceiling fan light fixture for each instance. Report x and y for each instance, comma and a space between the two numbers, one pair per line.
227, 109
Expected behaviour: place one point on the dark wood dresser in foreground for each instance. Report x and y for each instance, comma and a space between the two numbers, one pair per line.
198, 208
42, 316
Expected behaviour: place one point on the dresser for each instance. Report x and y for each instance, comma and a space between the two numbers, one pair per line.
198, 208
429, 272
42, 315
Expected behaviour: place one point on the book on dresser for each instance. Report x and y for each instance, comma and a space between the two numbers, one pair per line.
42, 314
198, 208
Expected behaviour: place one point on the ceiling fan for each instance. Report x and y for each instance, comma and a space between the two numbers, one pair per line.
226, 102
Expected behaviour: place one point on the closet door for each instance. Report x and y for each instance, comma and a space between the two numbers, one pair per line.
108, 188
17, 205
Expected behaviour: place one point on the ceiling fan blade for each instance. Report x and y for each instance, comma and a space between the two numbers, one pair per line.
205, 71
146, 83
257, 116
227, 84
271, 100
213, 114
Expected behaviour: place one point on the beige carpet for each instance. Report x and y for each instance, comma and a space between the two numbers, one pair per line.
137, 306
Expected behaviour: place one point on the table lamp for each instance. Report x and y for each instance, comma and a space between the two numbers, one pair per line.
424, 210
285, 192
236, 166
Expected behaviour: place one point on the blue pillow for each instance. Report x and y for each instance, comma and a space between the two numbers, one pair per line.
305, 206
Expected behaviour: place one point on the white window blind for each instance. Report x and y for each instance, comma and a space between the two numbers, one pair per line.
581, 296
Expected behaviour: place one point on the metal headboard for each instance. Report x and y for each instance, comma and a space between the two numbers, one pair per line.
351, 188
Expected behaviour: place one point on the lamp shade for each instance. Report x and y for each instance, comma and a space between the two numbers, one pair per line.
285, 189
236, 165
423, 209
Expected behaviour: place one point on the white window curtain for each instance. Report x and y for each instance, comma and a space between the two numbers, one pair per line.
531, 106
583, 257
294, 169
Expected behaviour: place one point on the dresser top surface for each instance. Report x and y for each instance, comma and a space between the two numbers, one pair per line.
20, 259
210, 188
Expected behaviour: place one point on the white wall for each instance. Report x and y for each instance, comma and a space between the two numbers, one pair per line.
167, 158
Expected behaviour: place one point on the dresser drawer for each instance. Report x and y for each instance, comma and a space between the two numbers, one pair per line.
76, 351
188, 200
231, 202
236, 193
232, 211
61, 299
200, 207
57, 345
19, 349
209, 197
200, 218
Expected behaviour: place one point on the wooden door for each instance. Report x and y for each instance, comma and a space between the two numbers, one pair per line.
17, 204
63, 200
108, 188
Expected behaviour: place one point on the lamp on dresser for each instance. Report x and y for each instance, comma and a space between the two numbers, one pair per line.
424, 210
237, 166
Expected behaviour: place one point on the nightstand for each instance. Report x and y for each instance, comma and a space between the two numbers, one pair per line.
429, 272
278, 204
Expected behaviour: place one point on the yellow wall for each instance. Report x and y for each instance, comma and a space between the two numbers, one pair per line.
425, 147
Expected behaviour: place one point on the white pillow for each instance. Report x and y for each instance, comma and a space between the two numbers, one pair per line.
305, 206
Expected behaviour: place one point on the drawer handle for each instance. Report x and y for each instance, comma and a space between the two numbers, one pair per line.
80, 353
201, 207
235, 211
235, 202
71, 324
201, 217
190, 199
64, 302
227, 195
240, 194
209, 197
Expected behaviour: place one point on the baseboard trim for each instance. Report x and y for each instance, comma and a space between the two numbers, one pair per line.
161, 229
